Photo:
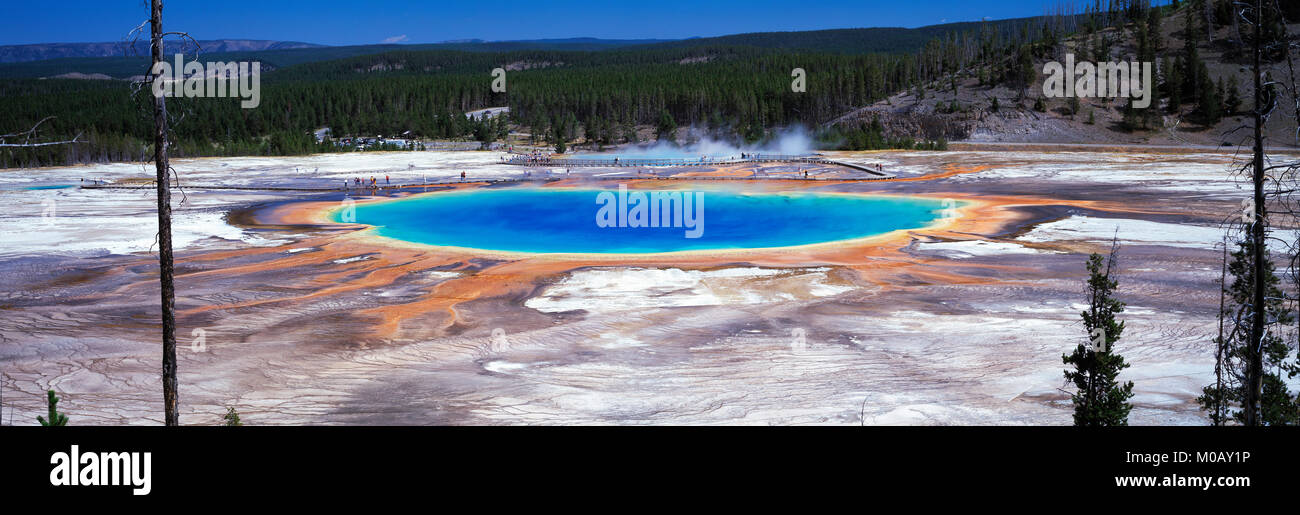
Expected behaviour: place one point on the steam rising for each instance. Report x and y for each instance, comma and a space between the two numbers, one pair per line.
788, 141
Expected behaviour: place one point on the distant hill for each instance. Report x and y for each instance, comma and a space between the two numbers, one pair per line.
577, 44
119, 60
122, 60
851, 41
46, 51
277, 55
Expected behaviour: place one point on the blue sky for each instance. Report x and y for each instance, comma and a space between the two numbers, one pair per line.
335, 22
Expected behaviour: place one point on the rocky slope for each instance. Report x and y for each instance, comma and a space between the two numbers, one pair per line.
1016, 121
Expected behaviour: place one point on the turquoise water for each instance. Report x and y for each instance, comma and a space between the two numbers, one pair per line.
566, 220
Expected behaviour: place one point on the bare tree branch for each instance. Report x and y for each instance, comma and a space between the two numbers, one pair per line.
28, 134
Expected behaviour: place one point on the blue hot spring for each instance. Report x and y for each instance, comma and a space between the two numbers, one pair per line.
544, 220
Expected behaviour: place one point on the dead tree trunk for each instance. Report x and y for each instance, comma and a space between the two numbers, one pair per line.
1236, 26
165, 269
1208, 11
1254, 354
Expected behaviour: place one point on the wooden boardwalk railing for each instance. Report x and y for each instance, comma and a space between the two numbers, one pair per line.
872, 175
524, 160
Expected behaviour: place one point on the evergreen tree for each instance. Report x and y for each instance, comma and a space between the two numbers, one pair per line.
51, 405
1170, 83
1209, 105
1191, 58
1027, 72
1130, 119
1174, 86
1221, 94
1154, 27
484, 133
502, 127
666, 129
1273, 31
1232, 104
558, 135
1222, 400
537, 128
1143, 118
1100, 399
570, 126
231, 417
1277, 407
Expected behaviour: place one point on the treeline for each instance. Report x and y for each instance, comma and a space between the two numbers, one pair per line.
561, 95
554, 95
721, 87
111, 123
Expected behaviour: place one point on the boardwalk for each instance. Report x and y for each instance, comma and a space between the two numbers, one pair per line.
546, 161
523, 160
876, 176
